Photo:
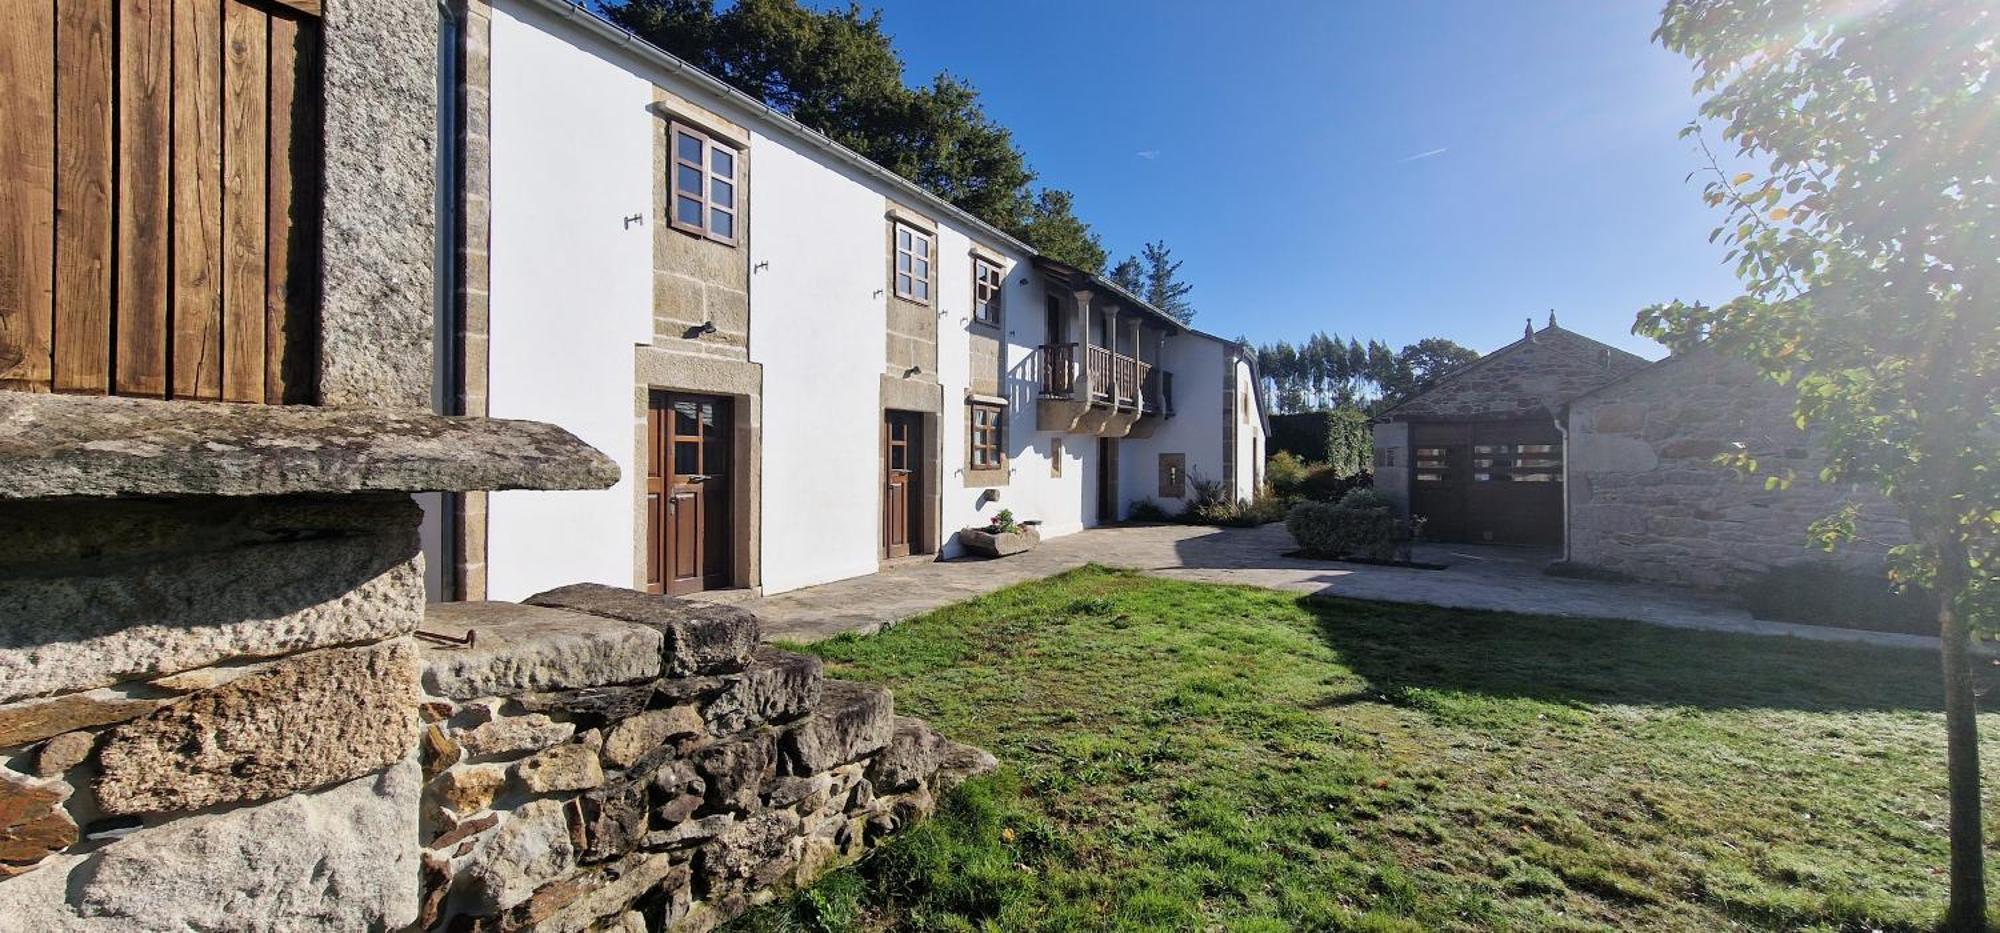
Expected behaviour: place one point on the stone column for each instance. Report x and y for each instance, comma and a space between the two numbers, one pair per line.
1137, 384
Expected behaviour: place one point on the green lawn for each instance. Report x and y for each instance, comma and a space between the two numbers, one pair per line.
1187, 756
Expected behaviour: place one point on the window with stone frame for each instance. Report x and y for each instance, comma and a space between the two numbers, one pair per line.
702, 184
986, 287
914, 251
985, 449
1055, 457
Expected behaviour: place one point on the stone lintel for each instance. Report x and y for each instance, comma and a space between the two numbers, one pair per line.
70, 446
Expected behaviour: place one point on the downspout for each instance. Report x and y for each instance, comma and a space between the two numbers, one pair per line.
1562, 428
447, 387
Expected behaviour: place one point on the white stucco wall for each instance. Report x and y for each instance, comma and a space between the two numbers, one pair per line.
572, 292
817, 324
1031, 492
1250, 445
1196, 429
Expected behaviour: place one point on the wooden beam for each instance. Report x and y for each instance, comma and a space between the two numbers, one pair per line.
83, 196
145, 176
27, 193
246, 105
197, 239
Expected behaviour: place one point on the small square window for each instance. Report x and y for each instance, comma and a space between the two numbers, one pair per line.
1055, 457
913, 263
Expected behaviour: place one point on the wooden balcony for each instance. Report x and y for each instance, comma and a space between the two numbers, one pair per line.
1117, 382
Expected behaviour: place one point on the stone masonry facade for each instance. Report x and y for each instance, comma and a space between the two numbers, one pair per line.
1531, 377
1648, 500
603, 759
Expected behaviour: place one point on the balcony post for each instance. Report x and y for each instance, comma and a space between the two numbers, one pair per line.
1079, 356
1136, 388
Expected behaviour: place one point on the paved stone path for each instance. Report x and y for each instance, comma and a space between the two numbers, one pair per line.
1479, 577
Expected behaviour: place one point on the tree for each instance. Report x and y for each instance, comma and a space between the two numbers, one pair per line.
1871, 279
1128, 275
837, 71
1420, 365
1054, 229
1164, 288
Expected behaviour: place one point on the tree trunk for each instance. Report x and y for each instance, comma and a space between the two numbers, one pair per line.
1961, 724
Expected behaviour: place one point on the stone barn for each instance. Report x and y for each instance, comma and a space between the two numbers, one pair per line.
1561, 441
1480, 454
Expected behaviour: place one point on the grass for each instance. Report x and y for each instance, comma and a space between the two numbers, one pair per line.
1189, 756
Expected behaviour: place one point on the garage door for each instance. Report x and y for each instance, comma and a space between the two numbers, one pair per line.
1488, 482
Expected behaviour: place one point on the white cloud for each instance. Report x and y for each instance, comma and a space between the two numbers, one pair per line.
1148, 153
1424, 155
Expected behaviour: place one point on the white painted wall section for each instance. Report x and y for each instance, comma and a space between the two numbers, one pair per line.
818, 325
572, 289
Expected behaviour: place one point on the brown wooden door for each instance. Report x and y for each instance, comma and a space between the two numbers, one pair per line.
1488, 482
1107, 479
688, 482
902, 452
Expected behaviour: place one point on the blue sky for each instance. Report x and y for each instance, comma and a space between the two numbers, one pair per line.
1376, 169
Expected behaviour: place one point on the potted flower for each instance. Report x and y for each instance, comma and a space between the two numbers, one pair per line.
1002, 536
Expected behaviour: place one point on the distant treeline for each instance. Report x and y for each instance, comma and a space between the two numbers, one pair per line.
1326, 372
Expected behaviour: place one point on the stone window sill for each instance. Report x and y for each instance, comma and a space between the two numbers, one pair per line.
988, 478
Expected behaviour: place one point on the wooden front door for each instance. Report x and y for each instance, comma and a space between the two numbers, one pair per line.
902, 452
1107, 479
1497, 482
690, 534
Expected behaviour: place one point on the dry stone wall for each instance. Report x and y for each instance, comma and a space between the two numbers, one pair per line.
599, 758
232, 714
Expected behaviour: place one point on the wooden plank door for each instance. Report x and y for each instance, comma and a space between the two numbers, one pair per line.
157, 160
900, 451
688, 482
1107, 480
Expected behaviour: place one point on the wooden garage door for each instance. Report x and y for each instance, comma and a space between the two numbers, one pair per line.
157, 175
1488, 482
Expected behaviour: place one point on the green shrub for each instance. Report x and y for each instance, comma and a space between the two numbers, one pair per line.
1325, 484
1340, 437
1364, 497
1337, 531
1818, 593
1286, 472
1146, 510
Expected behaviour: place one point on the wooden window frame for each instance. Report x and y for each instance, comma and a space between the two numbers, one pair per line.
989, 439
989, 277
929, 258
709, 178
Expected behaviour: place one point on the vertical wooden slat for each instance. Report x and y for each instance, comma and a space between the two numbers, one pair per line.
288, 292
27, 192
83, 196
145, 108
197, 199
245, 112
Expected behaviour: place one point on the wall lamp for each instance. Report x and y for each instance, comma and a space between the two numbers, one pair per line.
705, 327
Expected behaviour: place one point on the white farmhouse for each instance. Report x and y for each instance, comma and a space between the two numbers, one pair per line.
803, 364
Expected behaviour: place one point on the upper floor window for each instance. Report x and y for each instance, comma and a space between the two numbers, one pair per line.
985, 291
704, 178
913, 263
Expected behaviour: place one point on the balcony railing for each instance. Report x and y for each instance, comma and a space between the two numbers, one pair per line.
1115, 379
1158, 397
1058, 369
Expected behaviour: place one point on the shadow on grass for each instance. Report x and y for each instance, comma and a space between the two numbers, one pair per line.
1398, 648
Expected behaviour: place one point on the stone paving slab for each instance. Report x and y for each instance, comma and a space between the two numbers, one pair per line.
1479, 577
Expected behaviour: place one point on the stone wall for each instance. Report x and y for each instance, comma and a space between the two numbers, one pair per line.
1532, 376
1647, 499
230, 713
208, 711
600, 759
